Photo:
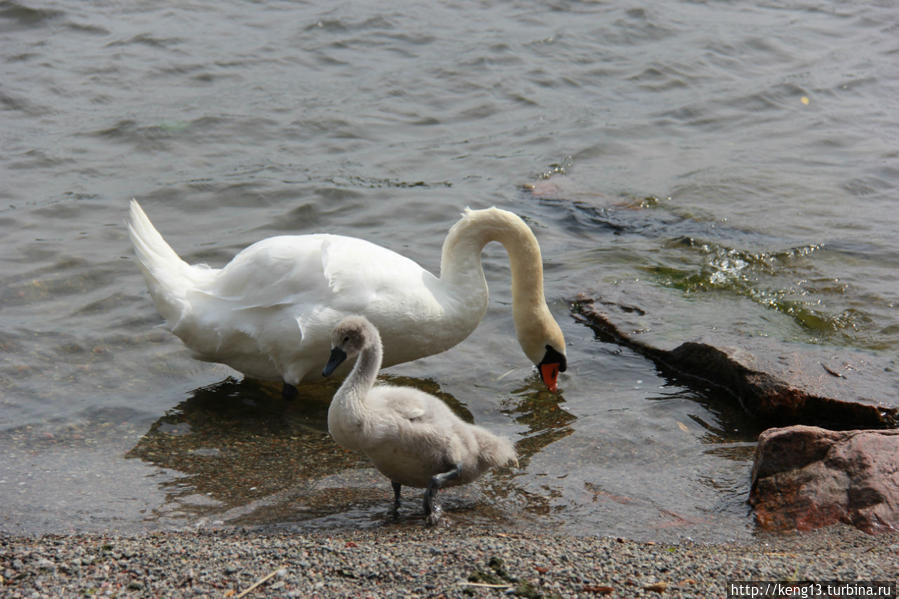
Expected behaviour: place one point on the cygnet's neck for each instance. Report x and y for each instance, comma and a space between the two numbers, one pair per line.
362, 377
460, 264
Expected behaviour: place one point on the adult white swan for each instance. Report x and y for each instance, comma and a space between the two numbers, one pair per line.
412, 437
270, 311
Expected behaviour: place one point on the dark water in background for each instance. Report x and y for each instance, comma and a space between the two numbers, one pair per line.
744, 150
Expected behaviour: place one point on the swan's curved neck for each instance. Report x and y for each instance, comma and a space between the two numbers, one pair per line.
460, 264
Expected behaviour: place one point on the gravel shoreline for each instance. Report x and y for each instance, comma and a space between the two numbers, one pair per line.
454, 561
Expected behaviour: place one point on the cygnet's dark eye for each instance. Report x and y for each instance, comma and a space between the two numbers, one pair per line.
346, 339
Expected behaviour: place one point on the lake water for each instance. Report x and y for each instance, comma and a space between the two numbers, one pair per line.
743, 151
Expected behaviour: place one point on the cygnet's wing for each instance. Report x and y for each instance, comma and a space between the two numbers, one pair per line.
405, 402
411, 405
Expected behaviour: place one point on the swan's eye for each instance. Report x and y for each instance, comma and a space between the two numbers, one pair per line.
346, 339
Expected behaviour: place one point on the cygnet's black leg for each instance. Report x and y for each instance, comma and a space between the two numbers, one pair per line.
432, 512
289, 392
396, 499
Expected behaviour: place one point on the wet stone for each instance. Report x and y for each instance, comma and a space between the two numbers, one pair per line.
778, 382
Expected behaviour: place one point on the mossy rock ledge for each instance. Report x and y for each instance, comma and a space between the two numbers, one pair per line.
779, 383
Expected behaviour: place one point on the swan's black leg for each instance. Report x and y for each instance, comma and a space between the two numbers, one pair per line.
432, 512
396, 499
289, 392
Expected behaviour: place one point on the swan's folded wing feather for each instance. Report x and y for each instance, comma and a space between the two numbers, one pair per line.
263, 298
343, 273
347, 270
359, 272
273, 272
285, 290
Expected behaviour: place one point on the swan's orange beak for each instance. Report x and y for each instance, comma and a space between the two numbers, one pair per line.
550, 375
550, 366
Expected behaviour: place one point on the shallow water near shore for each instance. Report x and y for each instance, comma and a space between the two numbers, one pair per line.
737, 151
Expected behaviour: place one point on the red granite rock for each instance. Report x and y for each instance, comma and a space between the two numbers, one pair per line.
806, 477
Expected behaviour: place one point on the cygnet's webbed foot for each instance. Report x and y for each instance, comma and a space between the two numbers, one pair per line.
432, 511
289, 392
395, 510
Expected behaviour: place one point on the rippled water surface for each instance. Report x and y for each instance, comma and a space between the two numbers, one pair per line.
742, 151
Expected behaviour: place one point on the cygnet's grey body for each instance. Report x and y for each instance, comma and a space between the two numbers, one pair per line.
412, 437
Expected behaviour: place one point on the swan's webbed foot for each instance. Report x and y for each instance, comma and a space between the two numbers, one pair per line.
289, 392
433, 519
395, 510
432, 511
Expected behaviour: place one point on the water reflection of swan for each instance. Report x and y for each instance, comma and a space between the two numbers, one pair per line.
231, 443
235, 452
270, 311
412, 437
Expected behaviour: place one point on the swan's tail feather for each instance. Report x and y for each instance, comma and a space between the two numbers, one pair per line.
168, 277
495, 451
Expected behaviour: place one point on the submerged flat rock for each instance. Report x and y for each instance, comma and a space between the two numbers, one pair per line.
779, 382
804, 477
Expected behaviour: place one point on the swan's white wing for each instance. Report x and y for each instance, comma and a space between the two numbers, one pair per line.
314, 270
247, 315
359, 273
272, 308
273, 272
406, 303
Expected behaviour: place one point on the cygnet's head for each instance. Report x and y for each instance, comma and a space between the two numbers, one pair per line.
349, 337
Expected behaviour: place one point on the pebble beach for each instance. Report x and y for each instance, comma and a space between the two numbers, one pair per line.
413, 561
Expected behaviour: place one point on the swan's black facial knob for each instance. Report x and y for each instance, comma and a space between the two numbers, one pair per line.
550, 366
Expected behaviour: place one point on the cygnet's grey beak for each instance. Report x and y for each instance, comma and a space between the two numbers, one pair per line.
336, 359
